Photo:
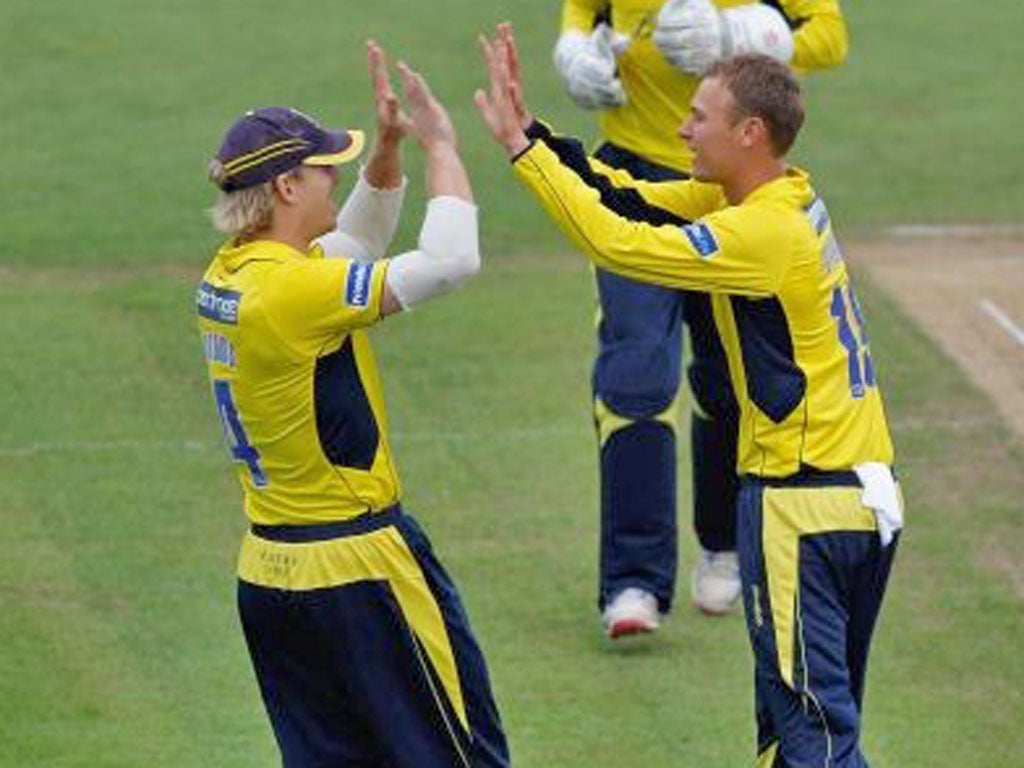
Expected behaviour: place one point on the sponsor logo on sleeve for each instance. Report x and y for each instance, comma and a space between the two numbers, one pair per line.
701, 238
357, 288
218, 304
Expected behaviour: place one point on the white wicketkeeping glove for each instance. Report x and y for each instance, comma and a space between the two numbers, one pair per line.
881, 497
587, 66
694, 34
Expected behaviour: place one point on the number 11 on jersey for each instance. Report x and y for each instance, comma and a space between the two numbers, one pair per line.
854, 339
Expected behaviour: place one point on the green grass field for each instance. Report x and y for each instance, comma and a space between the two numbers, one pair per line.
119, 644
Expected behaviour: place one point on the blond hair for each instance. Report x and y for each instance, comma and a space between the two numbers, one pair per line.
243, 213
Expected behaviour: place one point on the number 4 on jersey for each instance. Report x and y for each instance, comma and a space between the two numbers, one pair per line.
234, 433
854, 339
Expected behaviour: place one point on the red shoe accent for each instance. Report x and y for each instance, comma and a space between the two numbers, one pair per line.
626, 627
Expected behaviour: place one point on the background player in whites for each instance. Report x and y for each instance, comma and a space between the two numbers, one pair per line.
362, 650
638, 63
818, 506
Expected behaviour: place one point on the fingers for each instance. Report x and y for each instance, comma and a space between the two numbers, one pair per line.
487, 49
428, 120
378, 70
483, 106
485, 103
497, 69
414, 85
516, 92
392, 122
405, 75
499, 107
603, 41
488, 112
507, 37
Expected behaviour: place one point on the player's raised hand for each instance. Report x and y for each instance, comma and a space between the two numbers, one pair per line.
498, 106
428, 120
392, 123
507, 40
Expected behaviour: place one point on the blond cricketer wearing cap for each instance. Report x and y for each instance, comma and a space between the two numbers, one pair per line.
362, 649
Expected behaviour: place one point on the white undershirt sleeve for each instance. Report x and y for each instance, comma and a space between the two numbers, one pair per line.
448, 253
367, 221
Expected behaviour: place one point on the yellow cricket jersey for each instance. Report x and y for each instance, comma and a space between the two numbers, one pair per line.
295, 381
789, 321
659, 94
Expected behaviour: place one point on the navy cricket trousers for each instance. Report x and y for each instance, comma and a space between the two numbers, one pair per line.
362, 649
814, 574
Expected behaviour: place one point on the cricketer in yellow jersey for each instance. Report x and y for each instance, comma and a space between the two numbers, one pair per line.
358, 638
638, 63
818, 508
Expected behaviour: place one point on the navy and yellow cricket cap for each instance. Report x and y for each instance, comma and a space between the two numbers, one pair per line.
268, 141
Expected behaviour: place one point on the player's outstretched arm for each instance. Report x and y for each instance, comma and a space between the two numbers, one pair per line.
449, 247
367, 221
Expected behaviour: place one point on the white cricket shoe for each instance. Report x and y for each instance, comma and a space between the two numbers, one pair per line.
631, 612
716, 582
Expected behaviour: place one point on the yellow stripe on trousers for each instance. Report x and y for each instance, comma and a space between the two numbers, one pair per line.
767, 758
788, 514
381, 555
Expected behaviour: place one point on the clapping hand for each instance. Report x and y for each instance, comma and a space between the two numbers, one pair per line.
423, 116
503, 107
392, 123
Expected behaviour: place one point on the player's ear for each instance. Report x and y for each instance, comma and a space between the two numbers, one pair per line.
752, 131
285, 186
